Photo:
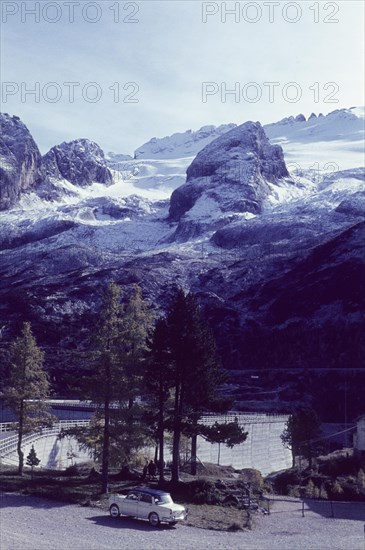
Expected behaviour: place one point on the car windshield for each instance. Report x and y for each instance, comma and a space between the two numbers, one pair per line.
163, 499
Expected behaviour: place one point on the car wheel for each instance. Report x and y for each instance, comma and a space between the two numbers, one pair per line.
114, 511
154, 519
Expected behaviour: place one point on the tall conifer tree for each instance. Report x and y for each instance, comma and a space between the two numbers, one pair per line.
27, 389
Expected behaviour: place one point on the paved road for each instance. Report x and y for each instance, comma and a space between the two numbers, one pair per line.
29, 523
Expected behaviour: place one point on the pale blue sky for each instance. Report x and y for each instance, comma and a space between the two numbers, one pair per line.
169, 53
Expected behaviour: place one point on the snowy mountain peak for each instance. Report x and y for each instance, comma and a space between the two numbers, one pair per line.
181, 144
229, 176
245, 143
333, 142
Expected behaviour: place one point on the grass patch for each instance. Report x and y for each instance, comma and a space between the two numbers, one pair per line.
217, 518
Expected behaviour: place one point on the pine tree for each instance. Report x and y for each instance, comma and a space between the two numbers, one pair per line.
229, 433
158, 382
302, 428
32, 459
204, 377
117, 362
89, 437
196, 371
105, 382
28, 388
136, 325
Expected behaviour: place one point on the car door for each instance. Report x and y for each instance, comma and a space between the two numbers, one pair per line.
130, 504
145, 505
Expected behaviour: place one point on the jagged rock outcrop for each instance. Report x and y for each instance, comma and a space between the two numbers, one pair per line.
353, 206
20, 160
82, 162
300, 118
233, 172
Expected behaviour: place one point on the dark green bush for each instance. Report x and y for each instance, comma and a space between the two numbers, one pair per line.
202, 491
72, 471
284, 481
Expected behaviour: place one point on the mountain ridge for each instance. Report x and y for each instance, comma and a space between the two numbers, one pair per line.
254, 273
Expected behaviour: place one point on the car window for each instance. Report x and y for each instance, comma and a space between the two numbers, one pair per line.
132, 496
146, 498
163, 499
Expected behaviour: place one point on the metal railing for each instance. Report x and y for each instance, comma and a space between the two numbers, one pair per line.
6, 427
9, 444
334, 509
244, 418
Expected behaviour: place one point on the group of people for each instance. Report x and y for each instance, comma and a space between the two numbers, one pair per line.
150, 470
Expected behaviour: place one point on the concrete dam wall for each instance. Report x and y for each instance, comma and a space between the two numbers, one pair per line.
53, 453
262, 450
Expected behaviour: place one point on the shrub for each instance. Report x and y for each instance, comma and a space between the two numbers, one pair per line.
337, 490
72, 470
361, 479
339, 465
286, 479
93, 474
323, 493
202, 491
230, 500
310, 489
254, 477
293, 490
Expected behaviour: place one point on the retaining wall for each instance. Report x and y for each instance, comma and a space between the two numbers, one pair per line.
262, 450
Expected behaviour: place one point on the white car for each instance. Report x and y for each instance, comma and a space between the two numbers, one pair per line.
152, 504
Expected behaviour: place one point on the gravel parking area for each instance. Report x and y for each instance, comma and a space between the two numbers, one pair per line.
36, 524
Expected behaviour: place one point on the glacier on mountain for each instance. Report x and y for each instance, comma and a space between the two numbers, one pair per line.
260, 214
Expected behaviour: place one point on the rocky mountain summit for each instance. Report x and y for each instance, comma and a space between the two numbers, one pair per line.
20, 160
23, 170
233, 171
81, 162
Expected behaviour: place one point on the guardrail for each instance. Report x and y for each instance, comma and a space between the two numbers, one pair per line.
9, 444
334, 509
244, 418
6, 427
